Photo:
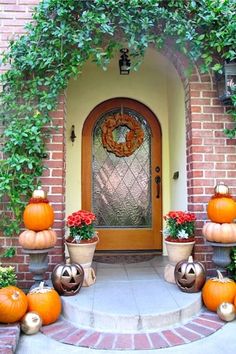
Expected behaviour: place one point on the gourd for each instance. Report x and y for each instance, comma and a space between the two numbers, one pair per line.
225, 233
218, 290
38, 214
221, 207
13, 304
30, 239
46, 302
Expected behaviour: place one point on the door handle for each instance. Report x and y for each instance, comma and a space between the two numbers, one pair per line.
158, 182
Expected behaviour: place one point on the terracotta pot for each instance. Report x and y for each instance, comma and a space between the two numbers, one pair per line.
177, 251
82, 253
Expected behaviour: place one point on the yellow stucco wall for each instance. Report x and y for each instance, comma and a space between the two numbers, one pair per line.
157, 85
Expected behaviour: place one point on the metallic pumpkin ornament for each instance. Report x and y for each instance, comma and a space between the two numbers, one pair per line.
67, 279
190, 275
226, 311
31, 323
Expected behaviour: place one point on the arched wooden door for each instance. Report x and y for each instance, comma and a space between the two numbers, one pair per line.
123, 188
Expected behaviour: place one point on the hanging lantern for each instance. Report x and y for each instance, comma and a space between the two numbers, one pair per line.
226, 82
67, 279
190, 275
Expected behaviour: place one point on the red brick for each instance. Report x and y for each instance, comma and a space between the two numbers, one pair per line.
75, 337
204, 331
189, 335
124, 341
172, 338
106, 341
207, 323
141, 341
158, 341
90, 341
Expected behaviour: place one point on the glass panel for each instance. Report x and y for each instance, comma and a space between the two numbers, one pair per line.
121, 186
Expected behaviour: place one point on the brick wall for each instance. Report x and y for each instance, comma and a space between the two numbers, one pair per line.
210, 155
14, 14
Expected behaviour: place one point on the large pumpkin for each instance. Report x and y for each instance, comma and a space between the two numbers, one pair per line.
13, 304
38, 214
218, 290
221, 207
30, 239
46, 302
225, 233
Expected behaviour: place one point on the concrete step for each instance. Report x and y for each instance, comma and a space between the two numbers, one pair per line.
130, 298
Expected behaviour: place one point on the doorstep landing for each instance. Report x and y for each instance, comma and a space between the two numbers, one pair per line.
130, 298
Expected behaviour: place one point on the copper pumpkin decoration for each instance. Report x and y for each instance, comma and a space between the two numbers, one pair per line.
67, 279
190, 275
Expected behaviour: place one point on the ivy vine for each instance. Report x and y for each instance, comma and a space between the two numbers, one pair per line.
61, 38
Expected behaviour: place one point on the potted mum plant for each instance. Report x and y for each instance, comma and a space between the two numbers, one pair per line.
82, 239
179, 241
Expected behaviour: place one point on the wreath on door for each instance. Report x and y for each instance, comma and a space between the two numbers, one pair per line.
133, 138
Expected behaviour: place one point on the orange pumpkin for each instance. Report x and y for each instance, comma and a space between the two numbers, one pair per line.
38, 215
218, 290
46, 302
221, 208
13, 304
30, 239
214, 232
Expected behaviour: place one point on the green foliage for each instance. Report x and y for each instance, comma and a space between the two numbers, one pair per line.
7, 276
61, 38
232, 266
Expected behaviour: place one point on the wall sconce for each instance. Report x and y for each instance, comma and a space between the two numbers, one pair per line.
72, 134
124, 62
226, 82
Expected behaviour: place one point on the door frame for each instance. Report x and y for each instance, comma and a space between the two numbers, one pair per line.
88, 127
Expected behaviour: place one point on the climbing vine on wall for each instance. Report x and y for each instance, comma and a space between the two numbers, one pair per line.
61, 38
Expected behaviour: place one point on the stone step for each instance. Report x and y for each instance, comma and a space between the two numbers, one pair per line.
130, 298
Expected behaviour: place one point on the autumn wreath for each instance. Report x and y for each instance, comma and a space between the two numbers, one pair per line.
133, 139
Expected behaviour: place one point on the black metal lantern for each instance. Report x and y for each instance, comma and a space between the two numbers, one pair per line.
124, 62
226, 82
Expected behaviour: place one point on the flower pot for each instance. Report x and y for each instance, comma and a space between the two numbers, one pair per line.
83, 252
177, 251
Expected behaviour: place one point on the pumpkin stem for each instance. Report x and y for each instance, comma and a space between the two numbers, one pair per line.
221, 278
190, 259
40, 289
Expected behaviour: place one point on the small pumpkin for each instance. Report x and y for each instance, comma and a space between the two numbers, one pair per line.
13, 304
39, 193
38, 214
215, 232
67, 279
221, 207
218, 290
190, 275
46, 302
30, 239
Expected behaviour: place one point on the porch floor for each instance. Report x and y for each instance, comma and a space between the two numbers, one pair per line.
130, 307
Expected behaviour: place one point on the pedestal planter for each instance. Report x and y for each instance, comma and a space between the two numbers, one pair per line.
177, 251
221, 253
38, 264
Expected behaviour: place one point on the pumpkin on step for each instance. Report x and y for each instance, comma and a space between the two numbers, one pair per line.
218, 290
13, 304
38, 214
30, 239
46, 302
214, 232
221, 207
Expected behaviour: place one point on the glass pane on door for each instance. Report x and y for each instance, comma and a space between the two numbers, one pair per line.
121, 186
